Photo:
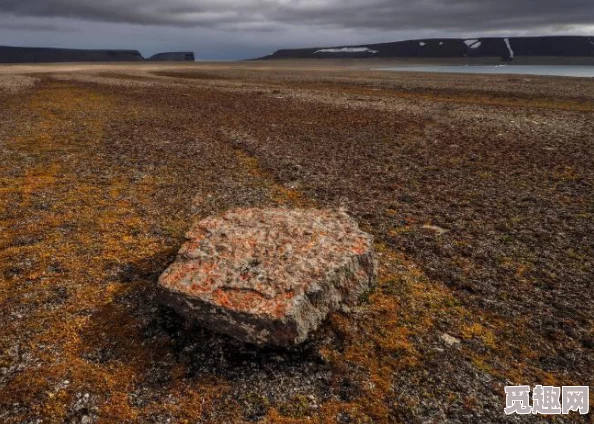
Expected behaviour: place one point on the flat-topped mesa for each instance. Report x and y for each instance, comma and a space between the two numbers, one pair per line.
173, 57
55, 55
269, 276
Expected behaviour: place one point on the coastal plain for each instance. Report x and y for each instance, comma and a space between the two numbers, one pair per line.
478, 190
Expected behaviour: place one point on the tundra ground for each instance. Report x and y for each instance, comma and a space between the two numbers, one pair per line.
477, 189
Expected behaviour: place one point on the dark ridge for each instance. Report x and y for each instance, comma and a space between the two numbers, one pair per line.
553, 46
48, 55
563, 46
56, 55
173, 57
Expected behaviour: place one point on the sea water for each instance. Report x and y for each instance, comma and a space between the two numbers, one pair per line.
555, 70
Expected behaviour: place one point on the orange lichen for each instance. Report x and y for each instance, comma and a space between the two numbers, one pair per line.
81, 245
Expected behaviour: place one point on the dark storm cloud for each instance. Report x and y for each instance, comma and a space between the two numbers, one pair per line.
36, 26
239, 29
447, 15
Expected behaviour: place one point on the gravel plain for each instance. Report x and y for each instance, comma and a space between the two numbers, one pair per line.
477, 189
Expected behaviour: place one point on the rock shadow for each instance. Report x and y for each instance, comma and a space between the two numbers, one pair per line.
164, 350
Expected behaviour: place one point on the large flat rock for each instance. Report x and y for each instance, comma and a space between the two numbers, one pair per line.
269, 276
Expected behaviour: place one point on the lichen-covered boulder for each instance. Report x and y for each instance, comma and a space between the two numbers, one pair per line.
269, 276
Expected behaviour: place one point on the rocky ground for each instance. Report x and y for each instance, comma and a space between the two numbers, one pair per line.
477, 189
270, 276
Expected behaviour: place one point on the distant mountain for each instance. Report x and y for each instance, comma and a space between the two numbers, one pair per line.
53, 55
46, 55
504, 48
173, 57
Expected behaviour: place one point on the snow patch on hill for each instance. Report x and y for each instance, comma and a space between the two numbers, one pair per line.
511, 52
347, 50
473, 43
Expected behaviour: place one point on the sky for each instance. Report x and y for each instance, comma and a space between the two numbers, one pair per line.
241, 29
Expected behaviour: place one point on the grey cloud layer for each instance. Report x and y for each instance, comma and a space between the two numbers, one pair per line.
453, 15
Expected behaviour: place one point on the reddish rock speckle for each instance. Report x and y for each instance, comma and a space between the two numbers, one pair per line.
269, 276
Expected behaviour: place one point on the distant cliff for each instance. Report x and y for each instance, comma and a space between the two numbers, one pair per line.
504, 48
46, 55
173, 57
53, 55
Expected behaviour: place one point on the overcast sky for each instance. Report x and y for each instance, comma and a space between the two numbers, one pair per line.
237, 29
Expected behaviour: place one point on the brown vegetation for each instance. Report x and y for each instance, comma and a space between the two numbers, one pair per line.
479, 194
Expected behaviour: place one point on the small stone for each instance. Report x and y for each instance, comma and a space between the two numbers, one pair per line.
269, 276
440, 231
449, 340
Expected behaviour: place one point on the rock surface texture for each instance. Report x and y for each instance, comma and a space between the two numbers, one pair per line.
269, 276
